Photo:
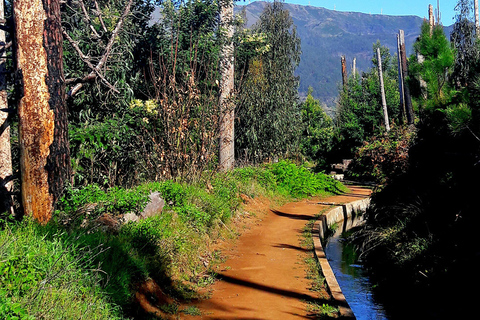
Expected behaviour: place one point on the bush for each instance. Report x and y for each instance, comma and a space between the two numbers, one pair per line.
298, 181
383, 157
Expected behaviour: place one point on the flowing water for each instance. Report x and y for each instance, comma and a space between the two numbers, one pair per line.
353, 280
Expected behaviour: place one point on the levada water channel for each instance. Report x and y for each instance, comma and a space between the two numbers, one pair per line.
352, 277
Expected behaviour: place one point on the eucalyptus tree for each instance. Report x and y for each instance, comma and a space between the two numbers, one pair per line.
268, 117
464, 41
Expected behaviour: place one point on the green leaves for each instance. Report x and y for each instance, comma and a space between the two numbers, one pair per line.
268, 112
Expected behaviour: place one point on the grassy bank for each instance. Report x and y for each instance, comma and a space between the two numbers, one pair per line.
76, 268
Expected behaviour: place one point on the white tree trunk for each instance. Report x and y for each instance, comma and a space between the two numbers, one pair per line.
227, 75
477, 27
382, 90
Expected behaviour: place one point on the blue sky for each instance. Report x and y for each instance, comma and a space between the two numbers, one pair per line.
388, 7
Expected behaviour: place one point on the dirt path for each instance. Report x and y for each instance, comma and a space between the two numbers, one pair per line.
264, 276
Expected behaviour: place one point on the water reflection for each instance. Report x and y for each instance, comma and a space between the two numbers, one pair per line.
353, 280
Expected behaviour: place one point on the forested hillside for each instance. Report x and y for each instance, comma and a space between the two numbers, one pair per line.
327, 35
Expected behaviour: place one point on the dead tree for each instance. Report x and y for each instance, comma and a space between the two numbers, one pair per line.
227, 107
43, 129
344, 71
382, 91
477, 25
408, 99
354, 68
431, 18
6, 172
400, 83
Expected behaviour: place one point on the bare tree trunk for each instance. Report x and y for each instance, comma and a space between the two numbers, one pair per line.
408, 99
6, 184
382, 91
44, 145
344, 71
477, 26
354, 68
400, 83
431, 18
227, 75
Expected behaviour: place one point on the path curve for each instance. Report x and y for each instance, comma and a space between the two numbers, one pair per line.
264, 277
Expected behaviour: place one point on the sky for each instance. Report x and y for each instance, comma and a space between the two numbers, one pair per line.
388, 7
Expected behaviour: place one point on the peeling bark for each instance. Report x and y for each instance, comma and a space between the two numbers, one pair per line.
43, 132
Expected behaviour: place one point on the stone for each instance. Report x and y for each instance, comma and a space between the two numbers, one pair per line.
154, 206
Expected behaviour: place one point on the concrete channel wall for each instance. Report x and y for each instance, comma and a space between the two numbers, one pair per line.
346, 214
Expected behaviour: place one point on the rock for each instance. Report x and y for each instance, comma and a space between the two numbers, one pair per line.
154, 206
130, 217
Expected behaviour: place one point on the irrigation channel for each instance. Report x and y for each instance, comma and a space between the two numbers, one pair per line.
351, 276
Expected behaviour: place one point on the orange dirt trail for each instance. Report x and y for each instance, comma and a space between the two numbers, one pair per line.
264, 276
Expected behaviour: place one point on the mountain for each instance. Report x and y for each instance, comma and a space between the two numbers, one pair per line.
326, 35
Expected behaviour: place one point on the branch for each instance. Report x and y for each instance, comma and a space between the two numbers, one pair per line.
99, 15
108, 48
87, 17
86, 59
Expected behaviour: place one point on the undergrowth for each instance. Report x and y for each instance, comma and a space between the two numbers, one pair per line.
72, 269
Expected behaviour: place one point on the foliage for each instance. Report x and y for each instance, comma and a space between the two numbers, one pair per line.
301, 182
383, 157
268, 112
434, 70
359, 111
318, 131
465, 44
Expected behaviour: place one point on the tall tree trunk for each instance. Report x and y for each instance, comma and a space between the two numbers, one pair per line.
354, 68
400, 83
344, 71
227, 74
6, 184
408, 99
431, 18
43, 128
382, 91
477, 25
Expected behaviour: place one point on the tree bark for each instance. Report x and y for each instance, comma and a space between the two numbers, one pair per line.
6, 184
354, 68
431, 18
408, 99
382, 91
227, 107
43, 128
477, 26
400, 83
344, 71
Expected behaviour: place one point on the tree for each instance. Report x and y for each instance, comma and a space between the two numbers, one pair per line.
464, 40
317, 136
359, 112
227, 76
435, 69
43, 129
268, 114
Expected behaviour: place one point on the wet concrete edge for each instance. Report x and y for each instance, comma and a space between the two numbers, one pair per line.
335, 215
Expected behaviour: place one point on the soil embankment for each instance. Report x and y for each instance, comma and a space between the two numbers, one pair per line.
264, 276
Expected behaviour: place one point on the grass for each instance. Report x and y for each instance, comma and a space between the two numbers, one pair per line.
72, 269
313, 273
